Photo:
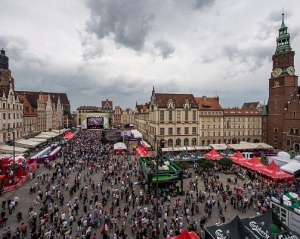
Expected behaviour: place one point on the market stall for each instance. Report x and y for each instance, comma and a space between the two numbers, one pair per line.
232, 230
253, 164
238, 158
213, 155
119, 148
165, 173
274, 172
141, 152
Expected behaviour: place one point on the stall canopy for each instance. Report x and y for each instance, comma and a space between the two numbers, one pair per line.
242, 146
185, 235
213, 155
10, 149
238, 158
269, 225
253, 164
38, 140
69, 135
119, 146
43, 136
292, 167
234, 229
141, 152
26, 143
219, 146
273, 171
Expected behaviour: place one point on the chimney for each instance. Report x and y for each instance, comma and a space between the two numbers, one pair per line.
204, 98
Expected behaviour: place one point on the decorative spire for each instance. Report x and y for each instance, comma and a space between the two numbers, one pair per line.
283, 40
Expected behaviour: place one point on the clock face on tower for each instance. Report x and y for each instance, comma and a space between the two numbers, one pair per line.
290, 70
276, 72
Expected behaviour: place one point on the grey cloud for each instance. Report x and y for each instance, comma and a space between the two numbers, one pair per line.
17, 50
200, 4
230, 52
124, 21
165, 48
276, 16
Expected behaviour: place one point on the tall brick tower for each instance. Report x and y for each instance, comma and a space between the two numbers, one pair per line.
5, 74
283, 103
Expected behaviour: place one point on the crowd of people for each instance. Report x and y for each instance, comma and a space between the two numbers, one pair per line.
89, 192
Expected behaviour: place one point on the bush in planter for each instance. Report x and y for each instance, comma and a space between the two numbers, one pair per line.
183, 165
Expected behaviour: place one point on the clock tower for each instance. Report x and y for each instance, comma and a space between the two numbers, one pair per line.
283, 102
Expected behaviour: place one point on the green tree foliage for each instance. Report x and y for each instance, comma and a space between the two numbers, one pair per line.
206, 164
225, 162
183, 165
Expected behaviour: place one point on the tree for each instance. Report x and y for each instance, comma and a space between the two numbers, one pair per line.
183, 165
207, 164
225, 162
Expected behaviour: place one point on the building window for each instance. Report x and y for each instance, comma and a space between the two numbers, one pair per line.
214, 126
194, 141
194, 115
178, 130
170, 142
203, 134
186, 130
178, 142
4, 116
170, 131
161, 115
162, 131
219, 133
170, 115
253, 125
294, 113
288, 142
186, 115
275, 130
203, 126
208, 126
214, 119
194, 130
208, 134
186, 142
178, 115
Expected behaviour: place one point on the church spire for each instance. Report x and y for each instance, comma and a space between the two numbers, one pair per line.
283, 40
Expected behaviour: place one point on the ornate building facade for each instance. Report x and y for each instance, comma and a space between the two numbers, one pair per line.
11, 108
283, 116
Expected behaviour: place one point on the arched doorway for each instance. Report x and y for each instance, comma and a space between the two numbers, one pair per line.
234, 140
297, 147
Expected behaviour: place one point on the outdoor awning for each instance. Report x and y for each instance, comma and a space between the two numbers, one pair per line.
26, 143
219, 146
242, 146
43, 136
262, 146
202, 147
10, 149
38, 140
291, 167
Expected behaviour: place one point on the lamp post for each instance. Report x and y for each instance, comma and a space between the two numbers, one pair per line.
14, 162
159, 145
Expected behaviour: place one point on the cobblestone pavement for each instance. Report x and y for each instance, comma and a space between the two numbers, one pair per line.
26, 200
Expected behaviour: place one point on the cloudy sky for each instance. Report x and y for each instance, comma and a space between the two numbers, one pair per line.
119, 49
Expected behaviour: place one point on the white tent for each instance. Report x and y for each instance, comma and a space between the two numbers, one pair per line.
37, 140
26, 143
202, 147
242, 145
9, 149
119, 146
43, 136
219, 146
291, 167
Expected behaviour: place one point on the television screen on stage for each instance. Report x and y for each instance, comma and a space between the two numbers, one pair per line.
95, 122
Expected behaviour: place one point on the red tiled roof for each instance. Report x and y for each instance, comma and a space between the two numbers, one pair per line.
208, 103
241, 112
178, 100
28, 110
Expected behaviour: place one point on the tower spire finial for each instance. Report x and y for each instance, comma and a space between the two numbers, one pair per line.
282, 22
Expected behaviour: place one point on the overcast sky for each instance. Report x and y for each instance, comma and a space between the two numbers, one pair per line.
119, 49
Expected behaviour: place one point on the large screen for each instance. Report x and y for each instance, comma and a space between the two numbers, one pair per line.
95, 122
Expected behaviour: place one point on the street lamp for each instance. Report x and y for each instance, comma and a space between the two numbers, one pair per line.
159, 146
14, 162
